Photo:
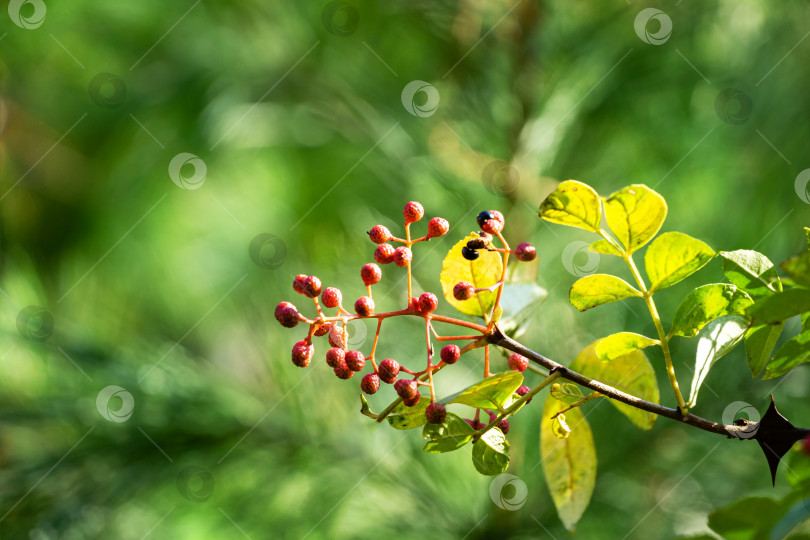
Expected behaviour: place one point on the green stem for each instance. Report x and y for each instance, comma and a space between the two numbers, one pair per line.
519, 403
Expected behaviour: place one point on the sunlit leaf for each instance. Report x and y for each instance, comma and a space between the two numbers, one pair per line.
568, 393
792, 353
705, 304
559, 426
781, 306
575, 204
403, 417
620, 344
598, 289
672, 257
450, 435
484, 271
490, 453
751, 271
569, 463
491, 393
634, 215
715, 340
631, 373
604, 247
759, 342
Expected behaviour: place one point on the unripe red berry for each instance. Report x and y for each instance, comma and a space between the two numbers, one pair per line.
384, 254
388, 370
331, 297
402, 256
302, 353
298, 283
324, 329
518, 362
491, 221
522, 391
475, 425
371, 274
355, 360
806, 445
486, 215
492, 226
343, 372
364, 306
525, 252
406, 388
437, 227
463, 290
428, 302
286, 314
312, 287
336, 338
503, 425
413, 401
435, 413
379, 234
413, 212
370, 383
335, 357
450, 354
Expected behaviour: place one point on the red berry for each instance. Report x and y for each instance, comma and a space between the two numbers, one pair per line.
518, 362
475, 425
371, 274
522, 391
463, 290
335, 357
450, 354
525, 252
435, 413
428, 302
336, 338
343, 372
388, 370
492, 225
364, 306
302, 353
370, 383
413, 212
355, 360
402, 256
286, 314
503, 425
437, 227
332, 297
298, 283
413, 401
379, 234
324, 329
406, 388
312, 287
384, 254
806, 445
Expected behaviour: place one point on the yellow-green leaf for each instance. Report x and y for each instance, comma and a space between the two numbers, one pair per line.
574, 204
759, 343
604, 247
491, 393
566, 392
631, 373
490, 453
635, 214
597, 289
569, 463
484, 271
707, 303
617, 345
672, 257
559, 426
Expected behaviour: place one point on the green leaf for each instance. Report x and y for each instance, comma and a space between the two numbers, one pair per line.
566, 392
617, 345
559, 426
484, 271
490, 453
597, 289
402, 417
491, 393
707, 303
634, 215
745, 519
792, 353
631, 373
569, 463
672, 257
751, 271
759, 342
574, 204
604, 247
780, 306
715, 340
798, 266
450, 435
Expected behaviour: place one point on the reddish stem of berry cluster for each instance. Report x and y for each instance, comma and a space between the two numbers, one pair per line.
346, 363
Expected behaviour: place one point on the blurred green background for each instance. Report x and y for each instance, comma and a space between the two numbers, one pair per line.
294, 111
